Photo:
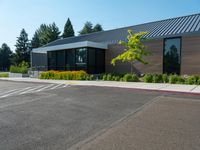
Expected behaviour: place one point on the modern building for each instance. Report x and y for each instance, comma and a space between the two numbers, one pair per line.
174, 45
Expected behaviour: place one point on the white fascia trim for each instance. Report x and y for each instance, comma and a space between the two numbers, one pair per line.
70, 46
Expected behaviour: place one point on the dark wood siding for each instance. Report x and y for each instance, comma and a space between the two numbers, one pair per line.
155, 59
190, 63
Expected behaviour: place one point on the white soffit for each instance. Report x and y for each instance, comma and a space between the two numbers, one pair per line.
70, 46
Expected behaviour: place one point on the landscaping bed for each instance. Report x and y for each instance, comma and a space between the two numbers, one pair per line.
19, 71
148, 78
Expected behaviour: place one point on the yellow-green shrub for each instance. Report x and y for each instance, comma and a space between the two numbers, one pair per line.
3, 75
65, 75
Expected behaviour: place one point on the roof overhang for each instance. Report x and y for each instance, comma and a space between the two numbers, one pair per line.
70, 46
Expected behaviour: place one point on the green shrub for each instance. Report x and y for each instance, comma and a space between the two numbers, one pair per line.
3, 75
148, 78
192, 79
175, 79
18, 69
157, 78
198, 81
165, 78
117, 78
90, 77
109, 77
130, 78
104, 78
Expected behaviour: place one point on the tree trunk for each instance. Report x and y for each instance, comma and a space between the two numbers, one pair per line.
131, 63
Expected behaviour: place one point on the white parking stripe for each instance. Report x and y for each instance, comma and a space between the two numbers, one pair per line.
32, 90
56, 86
8, 92
15, 92
65, 85
45, 87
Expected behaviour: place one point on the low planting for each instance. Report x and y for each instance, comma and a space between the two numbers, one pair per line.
119, 77
22, 68
3, 75
18, 69
152, 78
148, 78
173, 79
66, 75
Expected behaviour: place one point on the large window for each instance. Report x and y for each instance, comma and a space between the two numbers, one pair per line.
88, 59
60, 60
81, 58
52, 60
70, 59
172, 55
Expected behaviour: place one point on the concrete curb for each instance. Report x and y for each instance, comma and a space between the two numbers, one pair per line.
156, 87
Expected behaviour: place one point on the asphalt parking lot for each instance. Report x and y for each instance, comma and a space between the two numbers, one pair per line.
38, 116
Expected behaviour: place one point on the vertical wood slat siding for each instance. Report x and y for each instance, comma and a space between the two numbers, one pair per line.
190, 63
155, 59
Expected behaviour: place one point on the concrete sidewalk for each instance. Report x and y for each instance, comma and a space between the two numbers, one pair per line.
193, 89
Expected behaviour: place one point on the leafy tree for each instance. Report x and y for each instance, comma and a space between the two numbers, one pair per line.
5, 57
88, 28
134, 49
97, 28
45, 34
68, 29
22, 48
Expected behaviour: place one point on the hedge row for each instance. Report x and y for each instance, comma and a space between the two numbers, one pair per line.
119, 77
66, 75
153, 78
149, 78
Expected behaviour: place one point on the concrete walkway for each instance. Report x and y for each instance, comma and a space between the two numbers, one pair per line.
193, 89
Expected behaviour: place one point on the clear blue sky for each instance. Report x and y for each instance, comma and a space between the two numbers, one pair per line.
29, 14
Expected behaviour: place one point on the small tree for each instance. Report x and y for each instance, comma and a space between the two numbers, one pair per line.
134, 49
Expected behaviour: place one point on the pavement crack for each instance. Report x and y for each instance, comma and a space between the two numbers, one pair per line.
114, 124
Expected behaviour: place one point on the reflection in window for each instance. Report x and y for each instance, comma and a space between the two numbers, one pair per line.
172, 56
81, 56
81, 59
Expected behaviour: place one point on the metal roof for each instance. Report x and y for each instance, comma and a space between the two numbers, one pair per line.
185, 25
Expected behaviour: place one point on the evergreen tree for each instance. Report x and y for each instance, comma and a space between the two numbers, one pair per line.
53, 32
88, 28
68, 29
45, 34
5, 57
35, 42
22, 48
97, 28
